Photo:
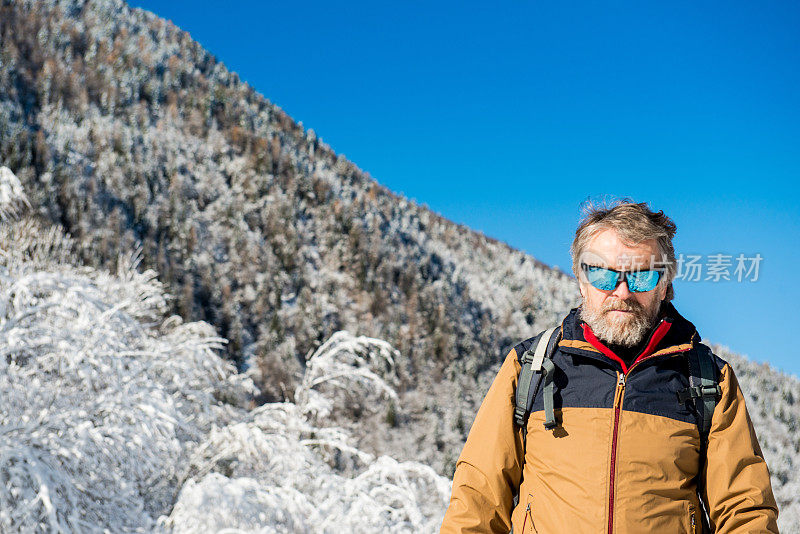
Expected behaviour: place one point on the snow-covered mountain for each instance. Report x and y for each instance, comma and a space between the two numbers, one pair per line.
125, 131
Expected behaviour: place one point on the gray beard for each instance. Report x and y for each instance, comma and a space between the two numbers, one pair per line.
627, 332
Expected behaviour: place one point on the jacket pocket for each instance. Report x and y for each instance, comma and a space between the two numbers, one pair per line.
528, 526
692, 519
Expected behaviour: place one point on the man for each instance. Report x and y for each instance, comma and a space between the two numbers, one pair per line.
625, 454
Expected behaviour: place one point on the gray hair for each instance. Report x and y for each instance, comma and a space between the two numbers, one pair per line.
634, 223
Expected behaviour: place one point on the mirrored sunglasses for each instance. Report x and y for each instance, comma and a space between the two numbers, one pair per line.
608, 279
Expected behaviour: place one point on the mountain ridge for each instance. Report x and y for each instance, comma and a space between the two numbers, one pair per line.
127, 133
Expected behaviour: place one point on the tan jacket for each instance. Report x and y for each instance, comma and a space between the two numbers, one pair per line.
626, 455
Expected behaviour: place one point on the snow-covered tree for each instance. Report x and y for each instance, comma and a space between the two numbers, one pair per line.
116, 417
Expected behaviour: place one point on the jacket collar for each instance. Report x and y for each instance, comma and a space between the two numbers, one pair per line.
678, 335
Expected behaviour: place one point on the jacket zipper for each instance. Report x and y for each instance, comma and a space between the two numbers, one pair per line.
618, 394
527, 515
527, 511
620, 391
617, 408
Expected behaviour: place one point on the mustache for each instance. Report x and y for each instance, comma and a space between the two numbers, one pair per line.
631, 306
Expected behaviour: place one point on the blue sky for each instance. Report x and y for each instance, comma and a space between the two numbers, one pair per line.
506, 117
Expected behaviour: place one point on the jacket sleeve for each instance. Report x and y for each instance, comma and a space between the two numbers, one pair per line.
737, 490
489, 468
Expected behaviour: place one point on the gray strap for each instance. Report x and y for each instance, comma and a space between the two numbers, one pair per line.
710, 388
533, 361
549, 415
541, 348
703, 388
523, 386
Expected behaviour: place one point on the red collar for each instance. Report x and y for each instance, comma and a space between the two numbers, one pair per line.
655, 338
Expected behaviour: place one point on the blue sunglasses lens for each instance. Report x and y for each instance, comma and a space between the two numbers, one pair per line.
640, 281
601, 278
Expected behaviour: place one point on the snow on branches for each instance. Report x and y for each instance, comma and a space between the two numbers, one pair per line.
114, 418
279, 470
271, 474
97, 405
347, 370
13, 200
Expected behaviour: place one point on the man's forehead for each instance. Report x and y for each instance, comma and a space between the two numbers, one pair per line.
620, 260
608, 249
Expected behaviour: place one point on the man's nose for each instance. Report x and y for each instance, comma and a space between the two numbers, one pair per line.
622, 291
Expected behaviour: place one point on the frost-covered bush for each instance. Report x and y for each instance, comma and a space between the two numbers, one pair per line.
13, 199
271, 473
100, 395
347, 372
280, 469
115, 418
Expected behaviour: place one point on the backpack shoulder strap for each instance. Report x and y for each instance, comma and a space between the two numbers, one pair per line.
536, 361
703, 387
704, 392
